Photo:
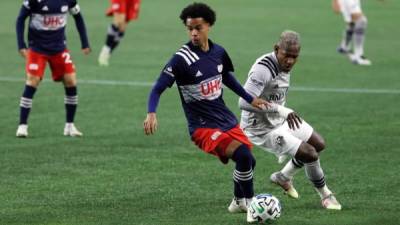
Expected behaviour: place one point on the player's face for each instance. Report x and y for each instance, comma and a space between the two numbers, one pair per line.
287, 57
198, 30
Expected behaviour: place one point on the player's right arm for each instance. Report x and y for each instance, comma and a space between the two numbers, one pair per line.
166, 79
255, 85
24, 12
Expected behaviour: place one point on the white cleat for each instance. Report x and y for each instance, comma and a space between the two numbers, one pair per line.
238, 205
22, 131
70, 130
278, 179
360, 60
250, 212
104, 56
330, 202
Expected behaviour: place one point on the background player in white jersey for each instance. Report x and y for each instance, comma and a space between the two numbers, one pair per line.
278, 129
356, 24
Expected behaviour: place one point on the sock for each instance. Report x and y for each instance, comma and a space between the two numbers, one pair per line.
71, 103
347, 36
316, 175
243, 173
113, 37
26, 104
359, 35
291, 168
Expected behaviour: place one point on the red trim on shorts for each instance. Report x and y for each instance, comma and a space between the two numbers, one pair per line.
215, 141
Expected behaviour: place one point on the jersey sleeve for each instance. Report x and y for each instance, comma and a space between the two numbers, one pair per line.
172, 70
227, 63
24, 12
74, 8
257, 80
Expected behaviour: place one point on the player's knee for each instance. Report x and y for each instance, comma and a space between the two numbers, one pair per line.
361, 23
243, 157
320, 145
69, 80
307, 153
33, 80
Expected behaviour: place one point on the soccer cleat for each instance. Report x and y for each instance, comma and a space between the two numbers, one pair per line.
278, 179
249, 217
330, 202
360, 60
238, 205
22, 131
70, 130
104, 56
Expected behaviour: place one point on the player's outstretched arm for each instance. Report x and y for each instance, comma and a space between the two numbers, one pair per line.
150, 124
230, 81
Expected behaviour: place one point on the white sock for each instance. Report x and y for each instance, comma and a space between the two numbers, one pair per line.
289, 170
323, 192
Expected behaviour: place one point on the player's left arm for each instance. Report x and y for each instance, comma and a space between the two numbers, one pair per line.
75, 11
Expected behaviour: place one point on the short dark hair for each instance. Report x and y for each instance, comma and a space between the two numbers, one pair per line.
197, 10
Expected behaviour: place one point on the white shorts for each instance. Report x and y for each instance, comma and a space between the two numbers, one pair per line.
349, 7
282, 140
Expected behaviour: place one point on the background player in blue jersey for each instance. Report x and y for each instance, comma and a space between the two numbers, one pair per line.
47, 44
199, 68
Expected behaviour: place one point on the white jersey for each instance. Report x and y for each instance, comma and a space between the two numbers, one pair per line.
349, 7
267, 81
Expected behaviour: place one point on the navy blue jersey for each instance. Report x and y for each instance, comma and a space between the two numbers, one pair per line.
47, 21
199, 76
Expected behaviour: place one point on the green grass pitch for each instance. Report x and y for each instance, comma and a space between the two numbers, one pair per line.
115, 175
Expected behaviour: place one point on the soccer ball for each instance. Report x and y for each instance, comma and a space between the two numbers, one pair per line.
265, 207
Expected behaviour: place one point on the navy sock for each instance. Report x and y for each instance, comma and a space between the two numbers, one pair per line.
26, 104
113, 37
243, 173
71, 103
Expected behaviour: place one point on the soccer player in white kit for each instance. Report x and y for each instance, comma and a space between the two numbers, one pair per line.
356, 24
278, 129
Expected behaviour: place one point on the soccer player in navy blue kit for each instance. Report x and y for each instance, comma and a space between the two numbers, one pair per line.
47, 44
199, 68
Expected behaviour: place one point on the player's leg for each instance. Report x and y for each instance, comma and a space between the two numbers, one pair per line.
234, 145
63, 69
345, 44
115, 31
308, 153
35, 65
360, 26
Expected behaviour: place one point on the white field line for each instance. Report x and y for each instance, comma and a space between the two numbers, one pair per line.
298, 88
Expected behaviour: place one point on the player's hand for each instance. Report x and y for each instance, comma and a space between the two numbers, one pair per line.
294, 121
150, 124
23, 52
86, 51
260, 103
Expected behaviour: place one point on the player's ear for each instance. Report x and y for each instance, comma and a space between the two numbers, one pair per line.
276, 48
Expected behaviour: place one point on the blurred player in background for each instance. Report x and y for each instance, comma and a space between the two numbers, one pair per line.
354, 34
47, 44
199, 68
278, 129
122, 11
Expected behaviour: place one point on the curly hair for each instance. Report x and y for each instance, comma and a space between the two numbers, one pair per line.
197, 10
